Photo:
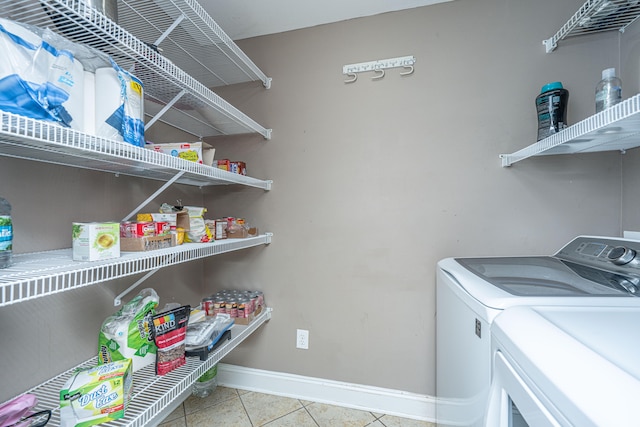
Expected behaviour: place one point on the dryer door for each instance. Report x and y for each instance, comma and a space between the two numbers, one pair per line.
511, 401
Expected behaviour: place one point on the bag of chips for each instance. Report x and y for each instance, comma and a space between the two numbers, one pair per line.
170, 332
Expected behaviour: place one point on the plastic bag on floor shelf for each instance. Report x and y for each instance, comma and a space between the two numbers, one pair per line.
127, 334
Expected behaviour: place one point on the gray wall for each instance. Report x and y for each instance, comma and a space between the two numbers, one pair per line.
374, 182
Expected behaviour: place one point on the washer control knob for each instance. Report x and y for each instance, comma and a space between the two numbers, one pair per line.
621, 255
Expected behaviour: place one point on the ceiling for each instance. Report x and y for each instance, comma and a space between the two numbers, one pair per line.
241, 19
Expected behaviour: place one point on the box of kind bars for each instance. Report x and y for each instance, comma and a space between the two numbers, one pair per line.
96, 395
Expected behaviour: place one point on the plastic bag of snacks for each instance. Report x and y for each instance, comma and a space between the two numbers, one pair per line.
127, 334
199, 231
170, 332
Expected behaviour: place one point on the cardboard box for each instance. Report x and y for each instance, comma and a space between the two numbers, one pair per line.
147, 243
96, 395
224, 164
92, 241
199, 152
242, 233
247, 320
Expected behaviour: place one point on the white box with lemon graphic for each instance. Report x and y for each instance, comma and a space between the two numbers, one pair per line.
94, 241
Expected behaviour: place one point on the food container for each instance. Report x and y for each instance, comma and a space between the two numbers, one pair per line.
92, 241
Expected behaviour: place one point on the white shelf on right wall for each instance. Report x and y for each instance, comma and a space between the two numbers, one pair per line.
596, 16
616, 128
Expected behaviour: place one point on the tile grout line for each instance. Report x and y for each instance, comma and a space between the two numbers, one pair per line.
244, 407
305, 407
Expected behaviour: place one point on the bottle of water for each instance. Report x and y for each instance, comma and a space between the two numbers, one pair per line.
207, 383
6, 233
608, 90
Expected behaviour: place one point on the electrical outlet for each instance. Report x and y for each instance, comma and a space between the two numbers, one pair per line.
302, 339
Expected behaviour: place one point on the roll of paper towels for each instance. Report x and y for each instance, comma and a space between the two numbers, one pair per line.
119, 106
89, 103
107, 102
68, 73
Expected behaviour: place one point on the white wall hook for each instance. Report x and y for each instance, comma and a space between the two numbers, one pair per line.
378, 67
406, 73
379, 74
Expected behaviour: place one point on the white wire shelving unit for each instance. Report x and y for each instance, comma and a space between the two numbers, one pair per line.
26, 138
192, 106
153, 396
616, 128
596, 16
38, 274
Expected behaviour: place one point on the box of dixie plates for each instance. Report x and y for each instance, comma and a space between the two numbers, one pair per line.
96, 395
93, 241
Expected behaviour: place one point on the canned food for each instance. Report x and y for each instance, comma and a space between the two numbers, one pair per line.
253, 302
231, 306
143, 228
221, 229
208, 306
126, 229
259, 295
244, 307
162, 228
219, 305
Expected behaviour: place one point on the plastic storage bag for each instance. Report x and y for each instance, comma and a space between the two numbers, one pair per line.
38, 80
202, 337
127, 333
198, 230
119, 105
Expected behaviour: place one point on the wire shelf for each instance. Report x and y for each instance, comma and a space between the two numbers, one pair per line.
596, 16
202, 112
38, 274
25, 138
153, 396
197, 32
616, 128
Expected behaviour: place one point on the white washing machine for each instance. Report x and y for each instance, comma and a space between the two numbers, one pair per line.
471, 292
565, 366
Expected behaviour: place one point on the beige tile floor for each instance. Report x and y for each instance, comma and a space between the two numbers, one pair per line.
228, 407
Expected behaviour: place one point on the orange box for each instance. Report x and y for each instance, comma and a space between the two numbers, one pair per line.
224, 164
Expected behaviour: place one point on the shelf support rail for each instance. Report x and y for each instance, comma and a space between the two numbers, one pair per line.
164, 109
168, 31
118, 299
154, 195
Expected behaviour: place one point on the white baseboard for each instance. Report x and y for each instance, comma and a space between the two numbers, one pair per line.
363, 397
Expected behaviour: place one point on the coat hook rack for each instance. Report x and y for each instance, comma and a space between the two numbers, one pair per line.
378, 67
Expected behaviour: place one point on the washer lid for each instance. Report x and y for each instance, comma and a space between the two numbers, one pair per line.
546, 276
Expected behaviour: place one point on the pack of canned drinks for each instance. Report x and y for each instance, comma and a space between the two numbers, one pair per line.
241, 305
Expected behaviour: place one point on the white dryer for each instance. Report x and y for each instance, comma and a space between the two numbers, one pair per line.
471, 292
565, 366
